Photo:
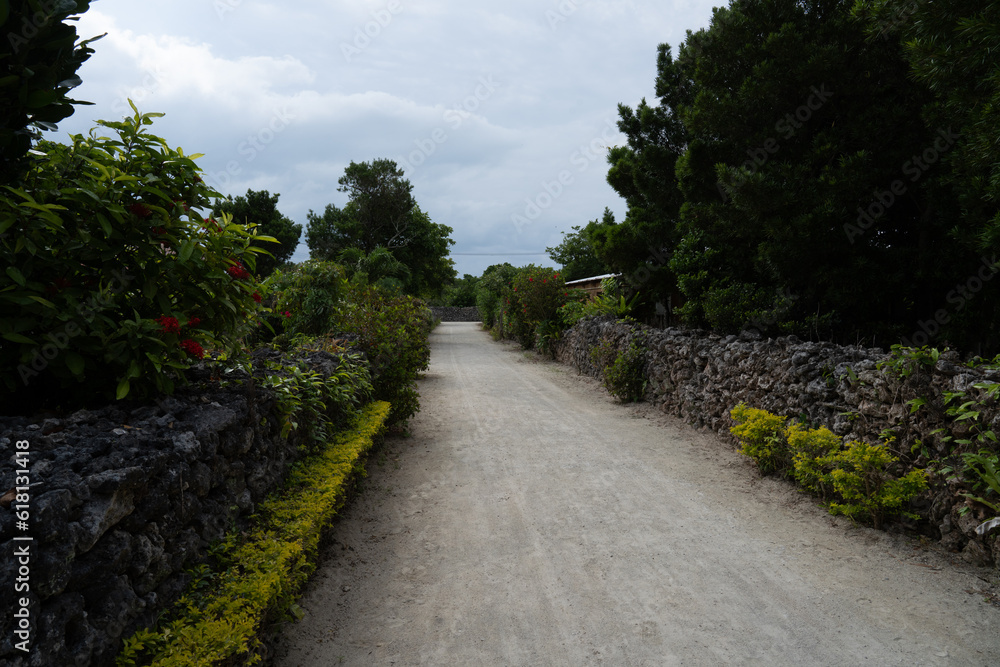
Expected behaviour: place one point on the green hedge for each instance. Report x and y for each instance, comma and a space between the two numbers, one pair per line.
222, 614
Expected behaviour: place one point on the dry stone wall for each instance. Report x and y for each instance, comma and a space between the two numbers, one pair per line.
122, 502
453, 314
699, 377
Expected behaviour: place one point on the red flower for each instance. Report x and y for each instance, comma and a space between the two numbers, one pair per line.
531, 280
193, 348
194, 321
140, 209
238, 272
159, 231
169, 324
256, 297
287, 314
62, 283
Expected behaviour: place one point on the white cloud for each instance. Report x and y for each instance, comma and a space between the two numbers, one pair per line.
265, 91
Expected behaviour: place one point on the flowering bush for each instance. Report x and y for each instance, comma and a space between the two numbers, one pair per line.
535, 296
105, 257
392, 333
306, 298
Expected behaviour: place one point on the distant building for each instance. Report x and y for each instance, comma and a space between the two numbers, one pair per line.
592, 286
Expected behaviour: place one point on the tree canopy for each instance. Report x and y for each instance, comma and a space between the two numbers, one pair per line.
261, 208
576, 253
381, 212
793, 173
39, 58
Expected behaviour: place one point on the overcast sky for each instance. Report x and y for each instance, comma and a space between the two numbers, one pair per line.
499, 113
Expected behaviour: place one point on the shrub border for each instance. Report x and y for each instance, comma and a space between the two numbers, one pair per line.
269, 565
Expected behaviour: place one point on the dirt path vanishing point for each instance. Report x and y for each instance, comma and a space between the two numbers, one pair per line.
531, 520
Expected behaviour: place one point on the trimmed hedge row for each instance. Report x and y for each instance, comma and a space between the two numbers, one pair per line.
263, 571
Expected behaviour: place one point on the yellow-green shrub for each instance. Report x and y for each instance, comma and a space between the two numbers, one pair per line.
761, 437
855, 481
268, 567
860, 476
809, 447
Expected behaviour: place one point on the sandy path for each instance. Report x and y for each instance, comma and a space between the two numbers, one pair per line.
530, 520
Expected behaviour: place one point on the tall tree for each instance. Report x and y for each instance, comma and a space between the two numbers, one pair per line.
382, 213
952, 47
261, 208
39, 58
576, 254
767, 173
382, 204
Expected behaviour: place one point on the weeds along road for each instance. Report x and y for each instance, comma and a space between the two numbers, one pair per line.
531, 520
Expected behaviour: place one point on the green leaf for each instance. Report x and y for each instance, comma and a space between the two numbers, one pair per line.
187, 248
18, 338
105, 225
16, 275
123, 388
44, 302
75, 363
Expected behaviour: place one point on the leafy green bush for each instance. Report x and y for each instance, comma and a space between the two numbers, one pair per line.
306, 298
311, 403
809, 448
547, 336
535, 296
855, 481
391, 331
112, 282
39, 58
623, 372
491, 295
762, 438
860, 477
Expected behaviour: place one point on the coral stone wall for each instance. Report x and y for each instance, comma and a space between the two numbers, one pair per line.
450, 314
122, 502
700, 377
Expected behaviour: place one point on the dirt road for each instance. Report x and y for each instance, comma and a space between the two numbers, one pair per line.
531, 520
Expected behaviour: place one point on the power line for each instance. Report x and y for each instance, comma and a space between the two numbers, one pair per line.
498, 254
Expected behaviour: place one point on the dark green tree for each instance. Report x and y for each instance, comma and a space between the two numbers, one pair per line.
461, 293
576, 254
952, 47
39, 58
261, 208
765, 177
381, 202
382, 213
378, 267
